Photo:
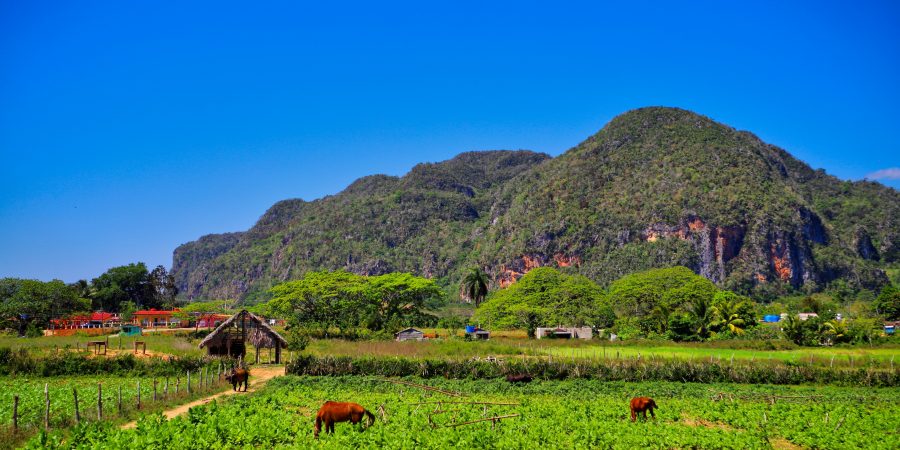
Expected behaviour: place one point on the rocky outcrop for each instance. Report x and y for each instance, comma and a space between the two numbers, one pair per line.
864, 247
510, 273
715, 245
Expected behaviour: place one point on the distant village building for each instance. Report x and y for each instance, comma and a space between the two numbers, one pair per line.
478, 333
158, 318
564, 333
807, 316
409, 334
93, 323
891, 327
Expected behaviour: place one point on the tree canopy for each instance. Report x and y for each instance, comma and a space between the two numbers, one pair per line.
344, 301
24, 302
546, 297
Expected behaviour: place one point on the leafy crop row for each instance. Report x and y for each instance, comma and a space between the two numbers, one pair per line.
552, 414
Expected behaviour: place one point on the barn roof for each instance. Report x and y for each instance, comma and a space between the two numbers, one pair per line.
260, 334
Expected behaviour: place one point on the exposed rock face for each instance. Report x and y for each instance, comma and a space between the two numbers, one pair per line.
715, 245
510, 273
864, 246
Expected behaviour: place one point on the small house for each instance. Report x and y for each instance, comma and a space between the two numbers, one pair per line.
478, 333
891, 327
564, 333
807, 316
130, 330
410, 334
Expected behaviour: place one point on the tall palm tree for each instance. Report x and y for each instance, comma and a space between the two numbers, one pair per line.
726, 316
701, 312
475, 285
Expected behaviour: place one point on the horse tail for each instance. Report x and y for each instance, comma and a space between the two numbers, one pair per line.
370, 416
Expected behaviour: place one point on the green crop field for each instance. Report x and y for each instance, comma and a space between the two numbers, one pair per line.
551, 414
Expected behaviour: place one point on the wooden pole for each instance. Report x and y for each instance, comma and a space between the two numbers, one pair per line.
189, 382
154, 390
46, 405
99, 401
177, 382
75, 397
139, 394
120, 400
166, 389
15, 413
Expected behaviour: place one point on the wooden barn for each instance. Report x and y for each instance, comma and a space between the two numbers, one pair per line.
231, 337
410, 334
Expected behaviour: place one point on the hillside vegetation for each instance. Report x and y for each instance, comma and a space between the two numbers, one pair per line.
656, 187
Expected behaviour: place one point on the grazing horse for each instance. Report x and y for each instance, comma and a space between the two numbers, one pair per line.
238, 376
520, 378
332, 412
640, 405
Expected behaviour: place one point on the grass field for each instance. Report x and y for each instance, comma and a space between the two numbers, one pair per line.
457, 348
168, 344
548, 414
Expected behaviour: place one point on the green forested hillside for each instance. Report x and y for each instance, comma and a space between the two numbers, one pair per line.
656, 187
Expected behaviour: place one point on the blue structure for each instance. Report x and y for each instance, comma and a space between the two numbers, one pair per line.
771, 318
470, 328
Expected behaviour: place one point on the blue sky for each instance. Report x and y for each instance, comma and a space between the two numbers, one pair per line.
128, 128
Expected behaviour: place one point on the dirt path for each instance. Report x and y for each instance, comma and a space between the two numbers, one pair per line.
258, 377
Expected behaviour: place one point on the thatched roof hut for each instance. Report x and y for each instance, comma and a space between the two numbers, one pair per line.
231, 336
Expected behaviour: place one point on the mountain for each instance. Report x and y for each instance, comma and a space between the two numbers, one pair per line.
655, 187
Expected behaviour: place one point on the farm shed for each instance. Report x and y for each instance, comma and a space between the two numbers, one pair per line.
478, 333
564, 333
231, 337
410, 334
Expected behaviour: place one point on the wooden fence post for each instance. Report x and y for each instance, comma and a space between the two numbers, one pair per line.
46, 405
139, 394
154, 390
166, 389
189, 382
16, 413
99, 401
177, 382
120, 400
75, 397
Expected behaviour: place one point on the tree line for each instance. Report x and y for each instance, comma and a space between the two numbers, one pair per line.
676, 304
29, 305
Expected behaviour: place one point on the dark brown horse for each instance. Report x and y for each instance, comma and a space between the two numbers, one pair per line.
332, 412
520, 378
640, 405
238, 376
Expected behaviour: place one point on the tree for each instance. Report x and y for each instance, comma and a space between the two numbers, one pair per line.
732, 313
398, 298
887, 304
25, 302
127, 310
344, 301
124, 283
475, 285
651, 296
163, 285
544, 296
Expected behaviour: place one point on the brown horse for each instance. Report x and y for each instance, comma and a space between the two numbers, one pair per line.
640, 405
332, 412
519, 378
238, 376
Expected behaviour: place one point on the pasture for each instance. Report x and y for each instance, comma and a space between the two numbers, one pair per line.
542, 414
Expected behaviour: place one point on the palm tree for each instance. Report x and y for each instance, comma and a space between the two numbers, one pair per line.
701, 312
726, 316
475, 285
